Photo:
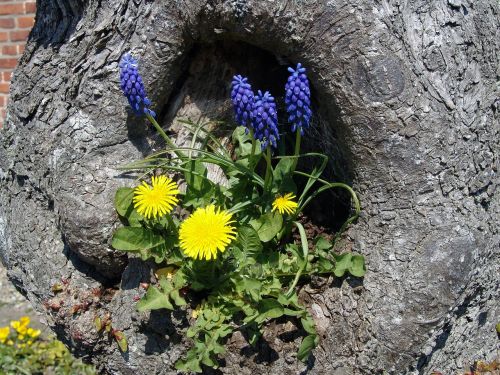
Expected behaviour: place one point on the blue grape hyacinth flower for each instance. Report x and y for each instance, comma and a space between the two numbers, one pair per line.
242, 97
133, 87
265, 120
298, 99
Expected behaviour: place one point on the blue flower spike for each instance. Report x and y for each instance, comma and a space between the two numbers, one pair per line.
133, 87
242, 97
265, 120
298, 99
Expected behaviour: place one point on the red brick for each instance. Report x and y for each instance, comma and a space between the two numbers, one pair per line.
4, 88
30, 7
8, 63
18, 36
7, 76
3, 100
25, 22
17, 8
21, 48
9, 50
7, 23
4, 36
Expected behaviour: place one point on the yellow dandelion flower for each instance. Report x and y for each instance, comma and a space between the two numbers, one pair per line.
4, 334
285, 203
205, 232
33, 333
157, 199
15, 324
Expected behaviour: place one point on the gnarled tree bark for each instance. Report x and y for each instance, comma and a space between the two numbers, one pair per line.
406, 101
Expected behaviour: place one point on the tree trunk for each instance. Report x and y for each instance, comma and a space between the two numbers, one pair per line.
406, 104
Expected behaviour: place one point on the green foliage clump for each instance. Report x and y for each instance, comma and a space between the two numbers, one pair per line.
254, 278
22, 351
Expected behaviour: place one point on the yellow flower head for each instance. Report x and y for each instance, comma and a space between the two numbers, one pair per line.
4, 334
285, 204
158, 199
21, 325
205, 232
33, 333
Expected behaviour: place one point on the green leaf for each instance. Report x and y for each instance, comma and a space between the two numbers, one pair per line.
179, 280
243, 149
282, 176
201, 198
324, 265
123, 200
178, 300
308, 325
498, 327
283, 168
254, 334
268, 225
358, 268
322, 243
249, 241
243, 142
191, 363
240, 135
135, 238
251, 287
161, 252
269, 308
197, 180
218, 348
124, 206
154, 300
353, 263
98, 323
342, 264
308, 344
121, 340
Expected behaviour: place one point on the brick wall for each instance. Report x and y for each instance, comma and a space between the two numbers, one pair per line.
16, 19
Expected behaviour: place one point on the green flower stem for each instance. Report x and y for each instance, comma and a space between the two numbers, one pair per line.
305, 252
254, 146
267, 179
328, 185
298, 138
194, 139
164, 135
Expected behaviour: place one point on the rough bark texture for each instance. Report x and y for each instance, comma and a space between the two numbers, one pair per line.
407, 94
